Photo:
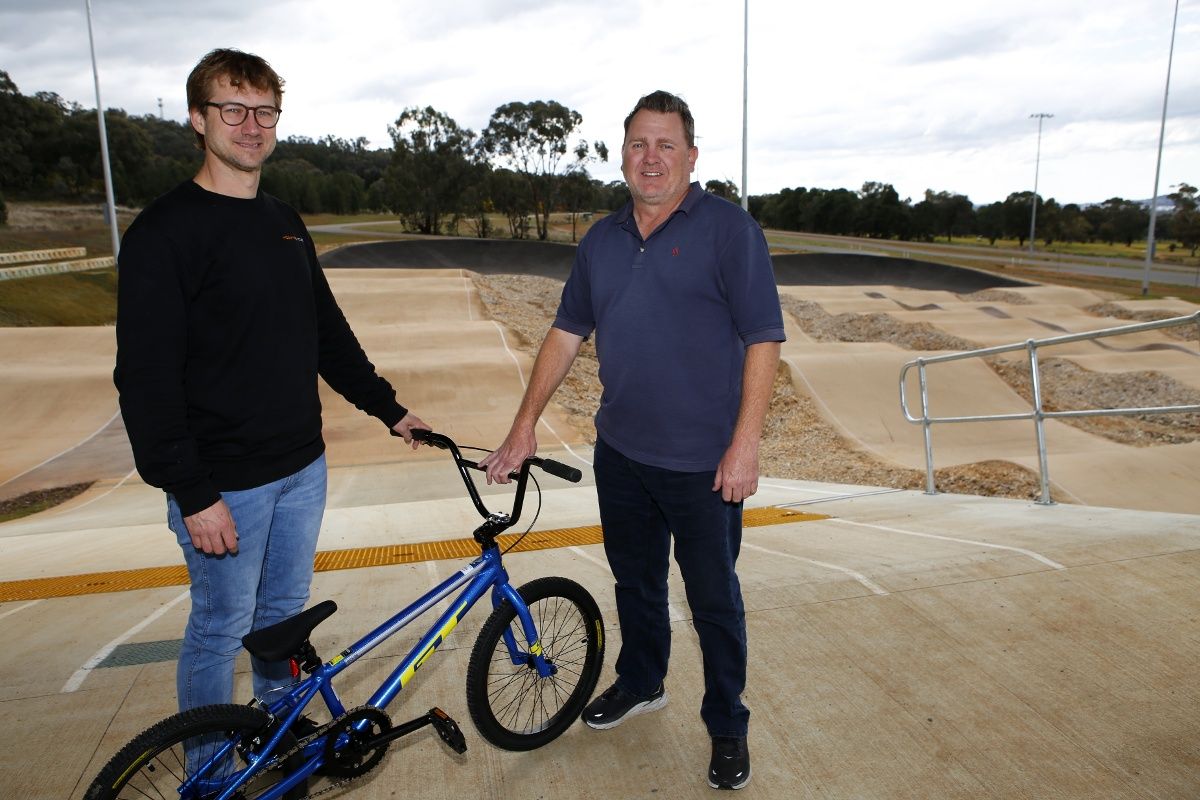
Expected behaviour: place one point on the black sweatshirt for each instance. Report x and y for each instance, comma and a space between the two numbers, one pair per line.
224, 321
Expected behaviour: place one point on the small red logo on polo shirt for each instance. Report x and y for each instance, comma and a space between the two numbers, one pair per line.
674, 251
287, 237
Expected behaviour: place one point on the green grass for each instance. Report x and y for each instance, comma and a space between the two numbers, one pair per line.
97, 240
1136, 251
943, 253
69, 299
345, 219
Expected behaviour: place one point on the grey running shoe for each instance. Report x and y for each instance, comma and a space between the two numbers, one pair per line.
615, 705
730, 764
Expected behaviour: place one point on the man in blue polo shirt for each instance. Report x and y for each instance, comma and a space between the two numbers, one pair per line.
678, 288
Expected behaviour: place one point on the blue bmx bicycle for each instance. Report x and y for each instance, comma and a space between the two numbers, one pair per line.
532, 670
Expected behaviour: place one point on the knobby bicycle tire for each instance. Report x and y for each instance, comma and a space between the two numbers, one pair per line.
155, 763
511, 706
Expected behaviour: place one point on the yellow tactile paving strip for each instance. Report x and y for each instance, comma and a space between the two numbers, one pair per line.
355, 558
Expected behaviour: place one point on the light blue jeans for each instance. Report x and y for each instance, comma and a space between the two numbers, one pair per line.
266, 581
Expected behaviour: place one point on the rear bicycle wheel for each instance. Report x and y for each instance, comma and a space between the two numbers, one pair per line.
511, 705
159, 760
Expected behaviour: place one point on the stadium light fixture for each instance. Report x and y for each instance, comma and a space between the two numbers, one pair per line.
1162, 129
745, 98
1036, 168
108, 184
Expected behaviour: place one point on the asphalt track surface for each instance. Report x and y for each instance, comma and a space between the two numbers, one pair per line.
1066, 263
553, 260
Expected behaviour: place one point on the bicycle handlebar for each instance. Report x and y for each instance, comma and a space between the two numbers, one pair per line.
495, 523
548, 465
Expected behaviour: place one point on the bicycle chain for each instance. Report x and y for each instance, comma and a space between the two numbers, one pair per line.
312, 737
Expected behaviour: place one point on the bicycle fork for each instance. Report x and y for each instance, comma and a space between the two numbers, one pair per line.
533, 657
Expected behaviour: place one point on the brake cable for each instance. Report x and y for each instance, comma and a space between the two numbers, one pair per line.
536, 485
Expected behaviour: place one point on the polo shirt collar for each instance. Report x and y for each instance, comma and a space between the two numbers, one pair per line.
694, 193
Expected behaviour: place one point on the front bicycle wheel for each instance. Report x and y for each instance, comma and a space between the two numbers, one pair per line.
511, 705
209, 744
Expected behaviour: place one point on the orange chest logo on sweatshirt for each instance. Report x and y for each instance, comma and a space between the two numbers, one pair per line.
287, 237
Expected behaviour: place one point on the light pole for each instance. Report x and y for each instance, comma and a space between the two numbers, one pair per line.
108, 184
745, 96
1158, 165
1036, 167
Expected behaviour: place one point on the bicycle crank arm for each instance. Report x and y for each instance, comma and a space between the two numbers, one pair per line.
446, 728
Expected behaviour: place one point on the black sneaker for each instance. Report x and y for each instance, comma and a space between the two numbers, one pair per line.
730, 764
615, 705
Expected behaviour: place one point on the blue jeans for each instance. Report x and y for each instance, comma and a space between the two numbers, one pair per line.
266, 581
641, 507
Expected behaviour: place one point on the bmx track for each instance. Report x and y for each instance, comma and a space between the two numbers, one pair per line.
902, 645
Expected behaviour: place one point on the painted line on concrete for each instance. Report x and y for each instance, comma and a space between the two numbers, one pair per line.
829, 495
1030, 553
81, 674
586, 556
803, 489
12, 611
467, 284
64, 508
858, 576
525, 385
75, 446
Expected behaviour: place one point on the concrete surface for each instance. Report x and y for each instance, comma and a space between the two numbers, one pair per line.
908, 646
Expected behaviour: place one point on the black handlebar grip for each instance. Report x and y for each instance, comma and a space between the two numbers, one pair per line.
561, 470
429, 437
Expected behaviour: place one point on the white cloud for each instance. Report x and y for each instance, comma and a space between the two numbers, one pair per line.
926, 94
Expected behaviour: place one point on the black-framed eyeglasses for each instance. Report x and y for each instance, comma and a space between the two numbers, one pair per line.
235, 113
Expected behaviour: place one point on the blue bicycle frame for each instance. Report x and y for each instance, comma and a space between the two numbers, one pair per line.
485, 572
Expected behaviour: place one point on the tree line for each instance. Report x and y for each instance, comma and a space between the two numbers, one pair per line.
439, 177
876, 211
527, 163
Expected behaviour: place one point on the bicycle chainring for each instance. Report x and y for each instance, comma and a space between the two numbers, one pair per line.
355, 757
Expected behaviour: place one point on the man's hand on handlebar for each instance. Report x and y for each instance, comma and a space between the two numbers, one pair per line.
508, 457
404, 429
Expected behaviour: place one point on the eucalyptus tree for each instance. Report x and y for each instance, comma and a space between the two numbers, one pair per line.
431, 168
533, 140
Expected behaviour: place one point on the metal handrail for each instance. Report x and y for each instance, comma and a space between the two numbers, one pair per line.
1037, 413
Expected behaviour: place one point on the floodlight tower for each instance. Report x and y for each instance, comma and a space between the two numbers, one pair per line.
1036, 167
108, 183
1162, 129
745, 96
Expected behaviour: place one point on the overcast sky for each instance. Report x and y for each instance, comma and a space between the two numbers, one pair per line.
925, 94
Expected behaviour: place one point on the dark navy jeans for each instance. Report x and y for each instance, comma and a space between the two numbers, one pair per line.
641, 508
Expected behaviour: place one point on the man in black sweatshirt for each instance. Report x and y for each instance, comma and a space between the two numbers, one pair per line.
224, 322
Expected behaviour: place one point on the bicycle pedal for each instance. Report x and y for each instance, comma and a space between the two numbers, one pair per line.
448, 729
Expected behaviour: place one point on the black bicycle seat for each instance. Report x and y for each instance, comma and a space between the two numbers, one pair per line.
283, 639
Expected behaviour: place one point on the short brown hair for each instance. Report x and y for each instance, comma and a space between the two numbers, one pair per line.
238, 68
666, 103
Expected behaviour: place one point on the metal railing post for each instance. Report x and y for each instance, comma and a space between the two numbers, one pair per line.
1039, 422
930, 486
1038, 413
